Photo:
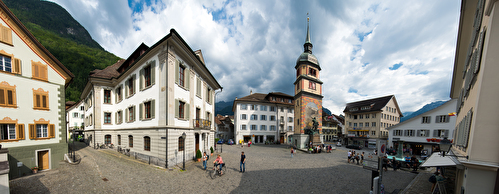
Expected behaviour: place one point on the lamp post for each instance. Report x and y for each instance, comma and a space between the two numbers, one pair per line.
445, 146
222, 147
183, 138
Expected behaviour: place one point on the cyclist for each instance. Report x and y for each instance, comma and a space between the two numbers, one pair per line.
219, 163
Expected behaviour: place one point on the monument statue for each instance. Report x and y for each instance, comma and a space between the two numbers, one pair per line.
315, 125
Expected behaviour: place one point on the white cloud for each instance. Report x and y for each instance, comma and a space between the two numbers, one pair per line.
253, 45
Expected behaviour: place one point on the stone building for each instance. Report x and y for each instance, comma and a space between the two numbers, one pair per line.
75, 116
32, 99
225, 127
262, 118
146, 102
332, 127
368, 120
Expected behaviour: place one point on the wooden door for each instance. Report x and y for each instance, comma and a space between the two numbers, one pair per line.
197, 142
43, 160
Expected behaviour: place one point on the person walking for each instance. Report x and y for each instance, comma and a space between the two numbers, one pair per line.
242, 164
362, 158
292, 151
205, 158
357, 157
349, 155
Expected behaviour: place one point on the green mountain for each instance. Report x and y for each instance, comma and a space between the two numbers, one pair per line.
65, 38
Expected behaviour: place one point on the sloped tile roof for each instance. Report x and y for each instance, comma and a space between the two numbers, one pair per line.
109, 72
375, 104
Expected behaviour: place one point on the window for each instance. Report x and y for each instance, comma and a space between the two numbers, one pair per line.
253, 107
290, 119
272, 128
147, 71
442, 119
147, 143
147, 110
131, 114
374, 116
272, 118
130, 86
82, 116
290, 110
373, 124
243, 117
312, 72
263, 127
243, 127
367, 124
311, 85
367, 116
107, 96
181, 76
290, 128
181, 143
254, 117
426, 119
8, 131
40, 99
290, 101
198, 87
409, 132
7, 95
354, 124
82, 108
397, 132
373, 133
440, 133
39, 71
42, 131
354, 116
119, 139
423, 133
244, 107
5, 34
119, 117
107, 118
130, 141
5, 63
263, 117
272, 108
361, 116
350, 124
361, 124
253, 127
182, 112
282, 109
208, 95
272, 98
107, 139
263, 108
119, 96
75, 115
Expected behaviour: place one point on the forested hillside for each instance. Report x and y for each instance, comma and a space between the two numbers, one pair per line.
65, 38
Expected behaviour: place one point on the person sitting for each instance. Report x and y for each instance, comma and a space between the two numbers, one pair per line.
414, 162
395, 164
218, 163
408, 161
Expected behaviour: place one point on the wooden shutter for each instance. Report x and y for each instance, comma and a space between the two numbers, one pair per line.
435, 133
198, 87
153, 105
134, 113
126, 88
418, 133
141, 111
6, 35
126, 115
427, 133
141, 78
2, 97
20, 132
44, 72
34, 69
406, 132
32, 131
446, 134
51, 131
186, 111
187, 78
176, 108
134, 85
16, 68
116, 117
176, 71
153, 72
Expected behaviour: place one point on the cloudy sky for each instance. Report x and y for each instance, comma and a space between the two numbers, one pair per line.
366, 49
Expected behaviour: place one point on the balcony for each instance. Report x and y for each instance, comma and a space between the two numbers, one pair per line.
201, 124
355, 135
360, 128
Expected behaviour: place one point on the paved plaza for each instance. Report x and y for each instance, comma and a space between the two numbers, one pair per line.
269, 169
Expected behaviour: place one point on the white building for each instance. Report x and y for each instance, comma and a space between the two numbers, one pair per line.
146, 102
264, 118
424, 132
75, 116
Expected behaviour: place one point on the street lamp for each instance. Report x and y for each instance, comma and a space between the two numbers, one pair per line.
445, 146
183, 138
222, 147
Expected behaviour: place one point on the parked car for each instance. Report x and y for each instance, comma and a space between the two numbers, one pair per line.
338, 144
230, 142
357, 147
221, 141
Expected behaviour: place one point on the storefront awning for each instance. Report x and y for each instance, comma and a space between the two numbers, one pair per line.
436, 159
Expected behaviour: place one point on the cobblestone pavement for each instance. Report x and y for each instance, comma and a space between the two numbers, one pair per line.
269, 169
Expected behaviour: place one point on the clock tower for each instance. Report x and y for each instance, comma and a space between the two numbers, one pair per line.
308, 97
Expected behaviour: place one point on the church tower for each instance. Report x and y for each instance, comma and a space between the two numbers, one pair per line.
308, 95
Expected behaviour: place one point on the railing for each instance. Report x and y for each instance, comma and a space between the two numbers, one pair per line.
201, 123
355, 135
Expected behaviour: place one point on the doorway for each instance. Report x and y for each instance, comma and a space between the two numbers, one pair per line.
43, 160
197, 142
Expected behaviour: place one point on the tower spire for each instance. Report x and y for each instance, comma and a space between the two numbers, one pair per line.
308, 44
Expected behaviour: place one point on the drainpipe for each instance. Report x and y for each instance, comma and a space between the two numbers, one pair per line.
166, 99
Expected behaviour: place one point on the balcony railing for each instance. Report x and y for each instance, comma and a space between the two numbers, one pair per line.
201, 123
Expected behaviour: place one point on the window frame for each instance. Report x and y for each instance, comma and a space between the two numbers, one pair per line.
181, 143
39, 105
6, 87
147, 143
39, 71
130, 141
426, 119
107, 96
107, 118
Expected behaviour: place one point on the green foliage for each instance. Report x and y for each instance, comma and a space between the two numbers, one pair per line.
198, 154
216, 140
211, 149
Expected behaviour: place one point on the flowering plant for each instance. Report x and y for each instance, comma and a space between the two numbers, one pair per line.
34, 168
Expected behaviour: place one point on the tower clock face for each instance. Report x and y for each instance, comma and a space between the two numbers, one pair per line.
311, 112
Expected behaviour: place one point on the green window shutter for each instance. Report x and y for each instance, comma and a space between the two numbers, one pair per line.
153, 72
141, 106
126, 88
153, 105
134, 85
187, 78
176, 108
435, 133
141, 78
134, 113
126, 115
176, 71
116, 118
187, 111
198, 87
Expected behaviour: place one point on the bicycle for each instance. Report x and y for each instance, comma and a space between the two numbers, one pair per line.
217, 171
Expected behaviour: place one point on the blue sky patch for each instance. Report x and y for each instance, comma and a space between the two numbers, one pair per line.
420, 73
396, 66
362, 35
351, 90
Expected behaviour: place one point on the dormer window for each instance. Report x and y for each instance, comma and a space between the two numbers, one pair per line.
312, 72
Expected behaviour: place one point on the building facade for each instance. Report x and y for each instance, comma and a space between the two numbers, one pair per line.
368, 120
224, 127
474, 85
75, 117
32, 99
146, 102
424, 132
308, 95
263, 118
332, 127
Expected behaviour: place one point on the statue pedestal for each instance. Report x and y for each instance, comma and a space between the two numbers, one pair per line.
301, 140
316, 139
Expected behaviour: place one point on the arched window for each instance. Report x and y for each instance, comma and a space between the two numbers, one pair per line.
181, 144
147, 143
107, 139
119, 139
130, 141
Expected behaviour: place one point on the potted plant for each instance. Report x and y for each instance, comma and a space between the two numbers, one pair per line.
34, 169
199, 155
211, 149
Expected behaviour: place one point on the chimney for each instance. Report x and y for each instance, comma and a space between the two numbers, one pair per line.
251, 92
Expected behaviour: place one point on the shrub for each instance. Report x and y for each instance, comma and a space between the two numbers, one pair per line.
198, 154
216, 140
211, 149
